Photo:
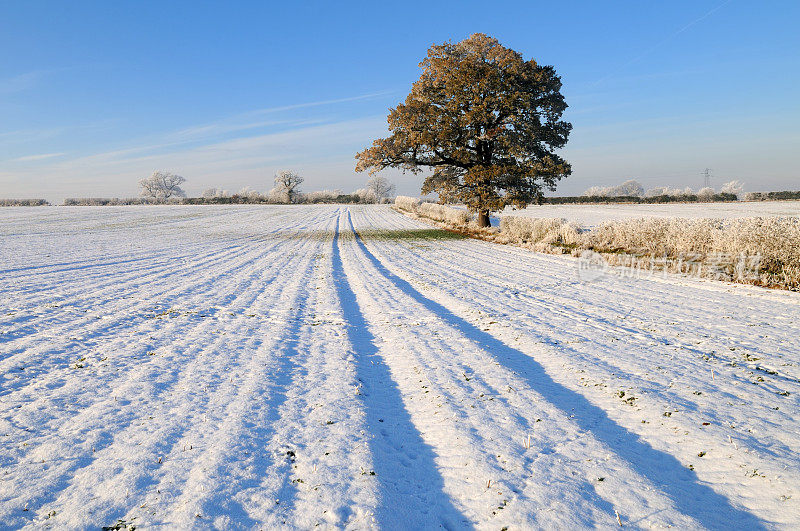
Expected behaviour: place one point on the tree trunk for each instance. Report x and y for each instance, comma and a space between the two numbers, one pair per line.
483, 219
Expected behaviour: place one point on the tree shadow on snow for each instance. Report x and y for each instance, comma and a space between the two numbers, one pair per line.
411, 491
680, 484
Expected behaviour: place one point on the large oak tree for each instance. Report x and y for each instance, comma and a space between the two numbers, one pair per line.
485, 120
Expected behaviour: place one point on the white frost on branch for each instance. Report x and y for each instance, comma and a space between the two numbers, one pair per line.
706, 194
287, 186
211, 193
630, 188
672, 192
162, 185
381, 187
733, 187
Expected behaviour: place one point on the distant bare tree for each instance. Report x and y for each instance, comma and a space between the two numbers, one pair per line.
381, 187
287, 183
211, 193
162, 185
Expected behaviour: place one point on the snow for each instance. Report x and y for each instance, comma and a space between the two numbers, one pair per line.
265, 366
590, 215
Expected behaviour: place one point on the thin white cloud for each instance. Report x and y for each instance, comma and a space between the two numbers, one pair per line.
219, 128
203, 134
29, 135
21, 82
324, 102
244, 121
310, 140
42, 156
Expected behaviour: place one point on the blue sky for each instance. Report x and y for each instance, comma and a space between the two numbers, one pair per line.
95, 95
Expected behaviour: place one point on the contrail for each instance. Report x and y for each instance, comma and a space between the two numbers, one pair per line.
661, 42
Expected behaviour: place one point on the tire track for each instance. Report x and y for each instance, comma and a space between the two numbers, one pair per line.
411, 489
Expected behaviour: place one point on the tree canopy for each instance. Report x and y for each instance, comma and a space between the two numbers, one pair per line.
287, 184
162, 185
485, 120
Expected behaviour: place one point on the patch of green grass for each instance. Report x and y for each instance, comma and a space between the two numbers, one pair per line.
371, 234
409, 234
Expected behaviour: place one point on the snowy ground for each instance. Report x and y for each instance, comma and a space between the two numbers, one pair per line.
244, 367
591, 215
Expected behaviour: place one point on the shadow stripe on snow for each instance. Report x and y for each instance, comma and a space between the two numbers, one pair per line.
682, 485
396, 436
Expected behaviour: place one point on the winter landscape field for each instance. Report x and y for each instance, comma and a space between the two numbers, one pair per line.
335, 366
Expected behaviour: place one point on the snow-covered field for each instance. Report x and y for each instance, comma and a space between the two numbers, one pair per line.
256, 366
591, 215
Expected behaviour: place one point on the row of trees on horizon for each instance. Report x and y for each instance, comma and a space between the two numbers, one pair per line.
165, 186
632, 188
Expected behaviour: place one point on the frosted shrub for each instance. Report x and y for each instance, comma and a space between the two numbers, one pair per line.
322, 196
116, 201
671, 192
366, 195
774, 241
654, 236
785, 195
630, 188
408, 204
705, 194
754, 196
23, 202
445, 214
278, 196
457, 216
434, 211
570, 233
733, 187
249, 194
540, 230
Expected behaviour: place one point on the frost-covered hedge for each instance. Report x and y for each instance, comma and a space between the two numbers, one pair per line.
434, 211
445, 214
540, 230
775, 241
717, 248
718, 245
23, 202
771, 196
117, 201
409, 204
